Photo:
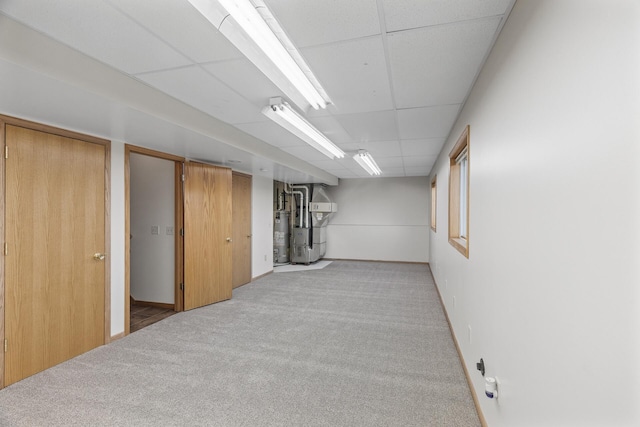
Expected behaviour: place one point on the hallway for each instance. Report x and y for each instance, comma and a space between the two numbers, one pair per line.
352, 344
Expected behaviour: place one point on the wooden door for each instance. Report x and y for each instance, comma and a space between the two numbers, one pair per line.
207, 235
241, 229
55, 224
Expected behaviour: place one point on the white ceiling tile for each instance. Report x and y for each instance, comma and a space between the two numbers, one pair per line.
331, 128
450, 57
48, 100
432, 64
358, 172
313, 22
353, 73
97, 30
422, 147
417, 171
196, 87
393, 172
244, 78
427, 122
371, 126
419, 162
179, 24
405, 14
384, 149
389, 162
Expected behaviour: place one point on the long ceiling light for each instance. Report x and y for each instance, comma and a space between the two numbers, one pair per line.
367, 163
282, 113
251, 27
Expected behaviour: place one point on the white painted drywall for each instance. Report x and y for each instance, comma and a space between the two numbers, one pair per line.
261, 226
116, 255
550, 289
383, 219
152, 204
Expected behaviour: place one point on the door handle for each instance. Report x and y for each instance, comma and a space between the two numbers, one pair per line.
229, 239
98, 256
249, 235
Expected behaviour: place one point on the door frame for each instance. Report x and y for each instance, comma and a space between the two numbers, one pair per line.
179, 218
8, 120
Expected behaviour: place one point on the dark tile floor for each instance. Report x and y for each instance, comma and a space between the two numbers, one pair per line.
142, 316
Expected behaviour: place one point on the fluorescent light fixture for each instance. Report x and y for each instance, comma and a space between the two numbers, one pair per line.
367, 163
251, 27
282, 113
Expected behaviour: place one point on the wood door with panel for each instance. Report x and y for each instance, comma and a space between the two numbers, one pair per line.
241, 229
55, 244
207, 235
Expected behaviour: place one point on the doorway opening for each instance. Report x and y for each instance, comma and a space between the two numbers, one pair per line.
201, 233
142, 315
154, 247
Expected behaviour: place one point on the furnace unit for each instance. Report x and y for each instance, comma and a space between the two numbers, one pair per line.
309, 235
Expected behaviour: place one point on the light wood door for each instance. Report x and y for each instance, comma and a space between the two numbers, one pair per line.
55, 223
241, 229
207, 235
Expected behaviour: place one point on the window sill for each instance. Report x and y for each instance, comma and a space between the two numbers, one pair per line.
461, 245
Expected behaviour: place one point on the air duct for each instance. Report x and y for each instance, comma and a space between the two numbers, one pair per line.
309, 242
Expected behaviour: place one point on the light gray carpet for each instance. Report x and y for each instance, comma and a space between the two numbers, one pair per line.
353, 344
287, 268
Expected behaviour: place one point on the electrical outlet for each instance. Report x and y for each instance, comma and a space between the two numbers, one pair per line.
169, 231
155, 229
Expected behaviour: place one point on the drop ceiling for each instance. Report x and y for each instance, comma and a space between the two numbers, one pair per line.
155, 73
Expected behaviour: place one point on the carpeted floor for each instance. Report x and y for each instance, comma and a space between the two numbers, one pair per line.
287, 268
353, 344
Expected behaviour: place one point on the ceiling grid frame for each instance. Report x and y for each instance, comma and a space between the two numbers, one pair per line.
316, 28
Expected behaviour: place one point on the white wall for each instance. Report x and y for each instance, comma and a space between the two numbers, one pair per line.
384, 219
152, 190
261, 226
550, 289
117, 261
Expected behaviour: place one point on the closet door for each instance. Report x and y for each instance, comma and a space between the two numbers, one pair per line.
207, 235
241, 229
55, 250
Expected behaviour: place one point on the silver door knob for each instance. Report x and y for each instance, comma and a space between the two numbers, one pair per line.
229, 239
98, 256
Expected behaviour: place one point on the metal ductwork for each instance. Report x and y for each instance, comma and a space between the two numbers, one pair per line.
306, 219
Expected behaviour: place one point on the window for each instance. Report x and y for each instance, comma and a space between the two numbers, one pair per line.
463, 163
459, 194
433, 202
